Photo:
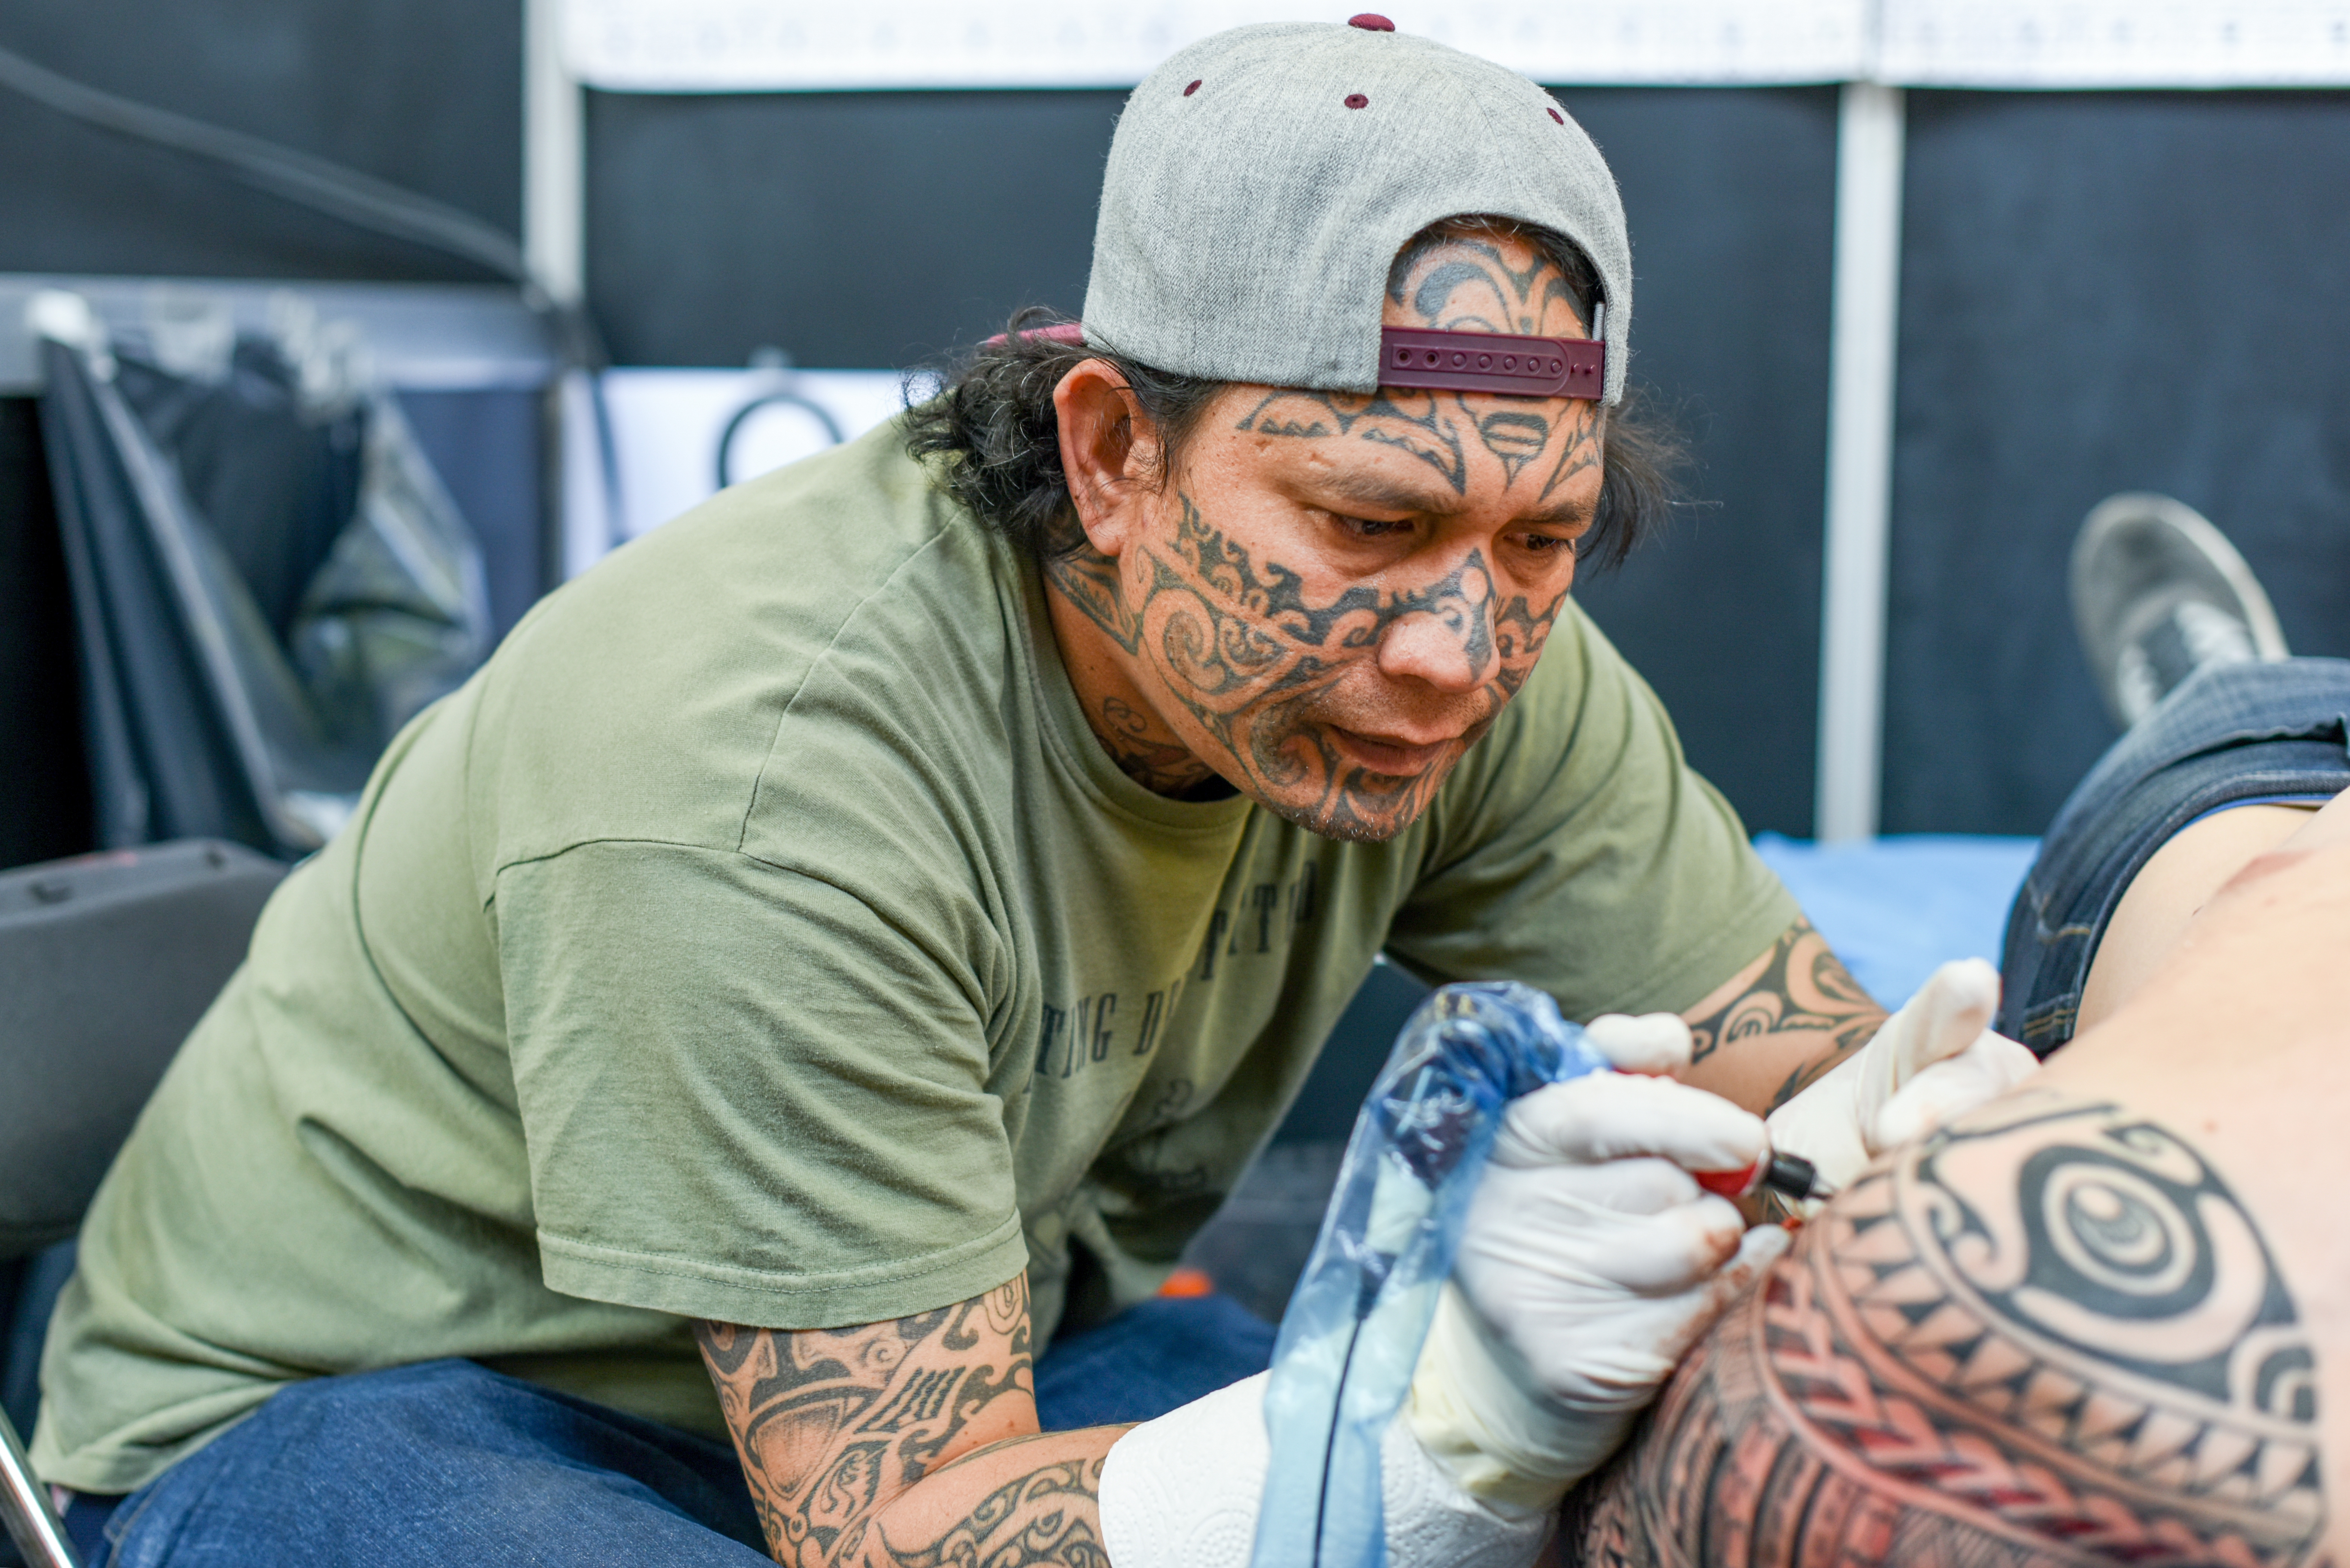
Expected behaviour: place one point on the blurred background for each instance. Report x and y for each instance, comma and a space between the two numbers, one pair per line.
2085, 247
1922, 280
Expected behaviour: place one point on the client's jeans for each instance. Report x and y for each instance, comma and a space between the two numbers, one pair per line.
2232, 735
449, 1463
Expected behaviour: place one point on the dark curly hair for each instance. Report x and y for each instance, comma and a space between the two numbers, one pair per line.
997, 438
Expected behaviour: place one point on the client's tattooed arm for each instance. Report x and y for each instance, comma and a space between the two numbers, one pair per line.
910, 1444
2051, 1335
1780, 1023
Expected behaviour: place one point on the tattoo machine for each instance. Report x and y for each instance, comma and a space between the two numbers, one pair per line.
1352, 1335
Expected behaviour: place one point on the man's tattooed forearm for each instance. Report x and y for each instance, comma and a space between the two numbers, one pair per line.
1045, 1516
2051, 1334
831, 1424
1803, 986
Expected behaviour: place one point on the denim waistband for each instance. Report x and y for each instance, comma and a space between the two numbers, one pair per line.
2230, 735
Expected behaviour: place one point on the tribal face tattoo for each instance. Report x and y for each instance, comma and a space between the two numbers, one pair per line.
1336, 594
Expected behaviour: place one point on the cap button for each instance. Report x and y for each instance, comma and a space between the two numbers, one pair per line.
1370, 22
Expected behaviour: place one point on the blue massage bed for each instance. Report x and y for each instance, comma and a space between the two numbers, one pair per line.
1894, 907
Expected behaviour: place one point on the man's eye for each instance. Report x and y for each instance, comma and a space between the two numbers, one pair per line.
1548, 545
1373, 527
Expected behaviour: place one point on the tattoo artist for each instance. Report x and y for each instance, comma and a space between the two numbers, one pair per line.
863, 929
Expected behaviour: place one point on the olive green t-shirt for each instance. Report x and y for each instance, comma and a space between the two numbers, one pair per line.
762, 936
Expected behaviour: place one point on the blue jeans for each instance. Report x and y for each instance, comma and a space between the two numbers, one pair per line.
448, 1462
2232, 735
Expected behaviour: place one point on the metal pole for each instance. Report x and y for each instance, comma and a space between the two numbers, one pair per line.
1864, 321
554, 158
25, 1508
555, 240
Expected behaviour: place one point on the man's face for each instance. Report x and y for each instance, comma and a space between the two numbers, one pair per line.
1333, 596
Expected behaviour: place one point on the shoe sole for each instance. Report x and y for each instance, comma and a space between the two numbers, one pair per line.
2129, 545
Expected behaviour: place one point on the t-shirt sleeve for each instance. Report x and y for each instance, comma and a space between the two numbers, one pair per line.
1576, 849
748, 1096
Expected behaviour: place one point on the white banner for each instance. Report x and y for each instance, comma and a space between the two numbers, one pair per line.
2114, 44
779, 46
768, 46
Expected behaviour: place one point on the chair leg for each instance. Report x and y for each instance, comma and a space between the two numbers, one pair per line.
25, 1508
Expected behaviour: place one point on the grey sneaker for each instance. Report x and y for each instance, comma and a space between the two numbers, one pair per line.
2158, 593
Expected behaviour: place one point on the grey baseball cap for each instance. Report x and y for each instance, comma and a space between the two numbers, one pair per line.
1262, 180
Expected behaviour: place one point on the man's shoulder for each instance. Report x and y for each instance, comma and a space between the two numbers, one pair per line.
777, 560
647, 698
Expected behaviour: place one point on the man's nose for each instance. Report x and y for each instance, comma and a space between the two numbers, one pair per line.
1449, 645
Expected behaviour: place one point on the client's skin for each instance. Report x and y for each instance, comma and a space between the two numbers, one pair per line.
2100, 1320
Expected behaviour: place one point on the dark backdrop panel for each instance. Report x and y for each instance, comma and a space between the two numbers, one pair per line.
1730, 198
2101, 293
44, 784
424, 93
883, 229
852, 230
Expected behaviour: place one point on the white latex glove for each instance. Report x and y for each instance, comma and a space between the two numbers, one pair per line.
1935, 1059
1590, 1263
1184, 1490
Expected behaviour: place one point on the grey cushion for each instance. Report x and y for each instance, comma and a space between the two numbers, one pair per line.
106, 962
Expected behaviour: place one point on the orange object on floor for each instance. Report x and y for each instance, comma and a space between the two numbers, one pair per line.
1188, 1282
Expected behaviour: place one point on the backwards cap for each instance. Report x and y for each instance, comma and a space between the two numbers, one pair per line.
1262, 180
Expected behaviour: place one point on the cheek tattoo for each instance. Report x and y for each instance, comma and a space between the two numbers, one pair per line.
1237, 640
1255, 662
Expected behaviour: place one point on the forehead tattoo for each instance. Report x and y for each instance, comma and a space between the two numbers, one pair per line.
1460, 283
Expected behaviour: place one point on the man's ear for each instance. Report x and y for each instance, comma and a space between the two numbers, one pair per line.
1109, 452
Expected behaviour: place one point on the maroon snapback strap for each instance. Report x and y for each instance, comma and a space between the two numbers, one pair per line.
1492, 362
1457, 361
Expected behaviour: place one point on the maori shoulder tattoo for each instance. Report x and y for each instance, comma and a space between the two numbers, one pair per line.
2051, 1334
832, 1426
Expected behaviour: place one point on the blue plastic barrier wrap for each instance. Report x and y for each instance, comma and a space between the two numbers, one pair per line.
1354, 1329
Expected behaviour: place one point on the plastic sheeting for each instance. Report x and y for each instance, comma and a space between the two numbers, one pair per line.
1352, 1335
268, 577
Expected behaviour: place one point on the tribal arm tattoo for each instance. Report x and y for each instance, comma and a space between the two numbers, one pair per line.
2050, 1335
909, 1444
1781, 1023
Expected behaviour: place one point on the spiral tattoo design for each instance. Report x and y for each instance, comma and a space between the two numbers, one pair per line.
2051, 1334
